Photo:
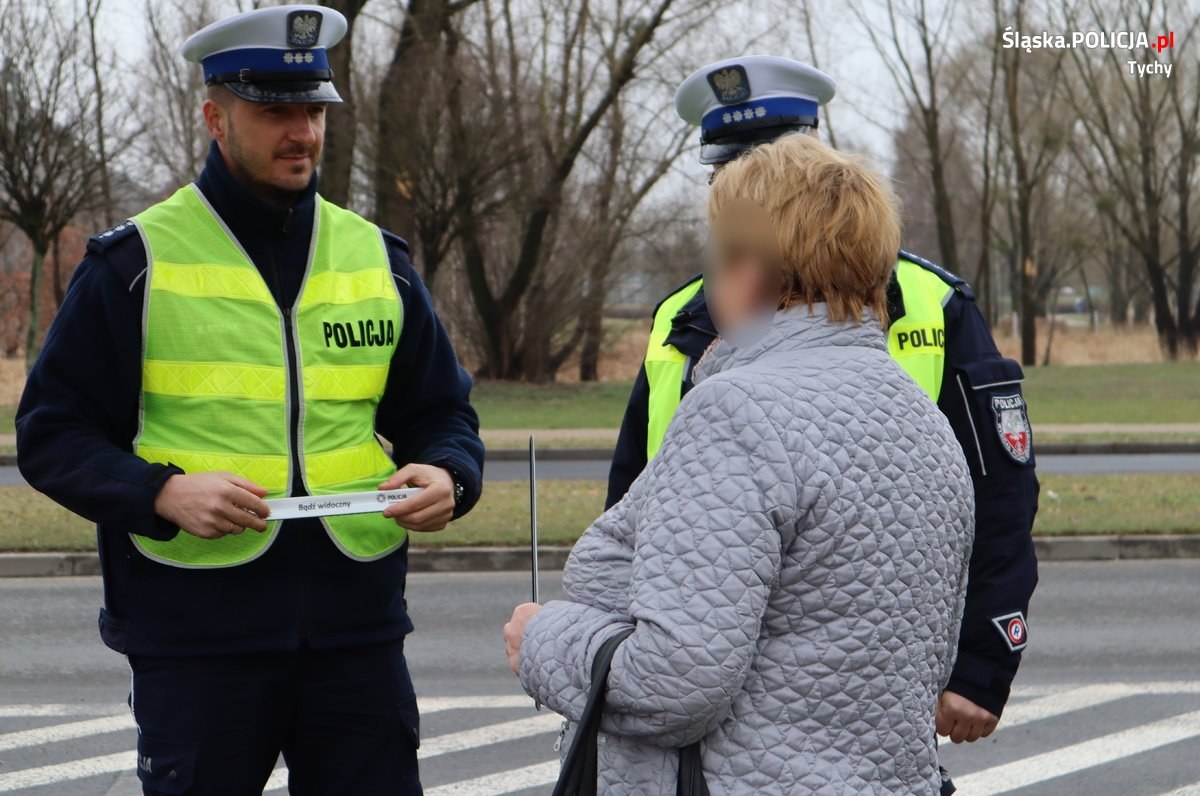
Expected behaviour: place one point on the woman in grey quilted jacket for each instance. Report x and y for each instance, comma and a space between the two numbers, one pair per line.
793, 561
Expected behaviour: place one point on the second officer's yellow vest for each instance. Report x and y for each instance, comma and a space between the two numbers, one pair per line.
665, 367
217, 391
917, 341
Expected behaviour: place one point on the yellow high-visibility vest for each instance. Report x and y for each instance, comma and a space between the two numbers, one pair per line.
916, 340
665, 367
217, 388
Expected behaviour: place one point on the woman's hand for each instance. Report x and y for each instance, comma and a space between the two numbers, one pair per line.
514, 633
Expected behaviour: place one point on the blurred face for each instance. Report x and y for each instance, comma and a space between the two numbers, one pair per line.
272, 148
743, 280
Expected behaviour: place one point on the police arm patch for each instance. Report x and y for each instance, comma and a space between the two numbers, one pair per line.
1012, 426
1013, 628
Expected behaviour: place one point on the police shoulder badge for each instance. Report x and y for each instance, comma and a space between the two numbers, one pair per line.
1012, 627
303, 28
730, 85
1012, 424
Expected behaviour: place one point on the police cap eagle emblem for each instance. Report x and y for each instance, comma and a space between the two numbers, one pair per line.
730, 85
303, 28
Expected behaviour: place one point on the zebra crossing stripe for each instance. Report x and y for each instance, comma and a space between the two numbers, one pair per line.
441, 704
1186, 790
467, 739
51, 710
533, 776
65, 732
490, 734
64, 772
1011, 777
1051, 705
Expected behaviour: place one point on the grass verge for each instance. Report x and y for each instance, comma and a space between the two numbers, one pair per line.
1162, 392
1070, 505
508, 405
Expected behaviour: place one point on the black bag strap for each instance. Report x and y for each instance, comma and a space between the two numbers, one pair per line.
691, 772
579, 770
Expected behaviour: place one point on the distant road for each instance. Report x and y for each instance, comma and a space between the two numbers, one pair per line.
1085, 464
597, 470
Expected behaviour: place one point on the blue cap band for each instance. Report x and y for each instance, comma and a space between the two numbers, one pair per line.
763, 109
264, 59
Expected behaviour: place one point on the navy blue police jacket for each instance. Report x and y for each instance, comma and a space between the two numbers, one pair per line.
1003, 566
78, 418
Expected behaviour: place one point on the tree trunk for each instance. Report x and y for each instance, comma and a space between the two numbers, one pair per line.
424, 23
108, 212
1028, 272
342, 129
56, 275
33, 330
592, 324
943, 203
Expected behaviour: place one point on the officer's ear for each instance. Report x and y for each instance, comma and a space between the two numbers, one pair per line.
216, 112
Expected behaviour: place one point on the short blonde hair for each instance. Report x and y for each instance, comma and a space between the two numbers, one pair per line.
837, 221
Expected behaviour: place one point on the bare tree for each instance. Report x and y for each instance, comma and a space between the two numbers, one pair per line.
1137, 152
91, 15
516, 145
1034, 139
176, 141
915, 43
49, 171
342, 129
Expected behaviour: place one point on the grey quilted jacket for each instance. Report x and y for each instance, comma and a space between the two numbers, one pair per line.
793, 562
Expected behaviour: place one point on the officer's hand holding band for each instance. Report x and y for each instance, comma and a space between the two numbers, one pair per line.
211, 505
431, 509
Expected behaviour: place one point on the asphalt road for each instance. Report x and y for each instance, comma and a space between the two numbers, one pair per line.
576, 470
1083, 464
1107, 702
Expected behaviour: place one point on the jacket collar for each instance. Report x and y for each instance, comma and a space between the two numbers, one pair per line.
792, 330
246, 215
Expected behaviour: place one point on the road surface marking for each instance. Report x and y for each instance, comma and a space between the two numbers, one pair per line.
490, 734
440, 704
36, 711
1077, 757
504, 782
1047, 702
427, 705
64, 772
1051, 705
467, 739
63, 732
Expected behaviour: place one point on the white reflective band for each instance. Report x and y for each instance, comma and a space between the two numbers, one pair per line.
330, 505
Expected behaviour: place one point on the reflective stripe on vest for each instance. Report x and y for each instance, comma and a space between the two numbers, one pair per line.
665, 368
215, 370
917, 341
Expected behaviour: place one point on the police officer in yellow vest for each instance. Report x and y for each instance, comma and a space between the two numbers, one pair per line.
937, 335
241, 341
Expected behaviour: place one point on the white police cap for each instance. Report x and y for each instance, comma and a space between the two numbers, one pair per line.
275, 54
740, 102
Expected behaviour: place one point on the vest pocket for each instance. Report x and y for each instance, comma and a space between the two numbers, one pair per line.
166, 767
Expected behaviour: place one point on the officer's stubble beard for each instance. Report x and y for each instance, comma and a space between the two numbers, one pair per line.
248, 170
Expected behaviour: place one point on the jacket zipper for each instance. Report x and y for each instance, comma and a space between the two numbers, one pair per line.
293, 404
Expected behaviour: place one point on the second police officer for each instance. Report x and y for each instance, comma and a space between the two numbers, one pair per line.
938, 336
